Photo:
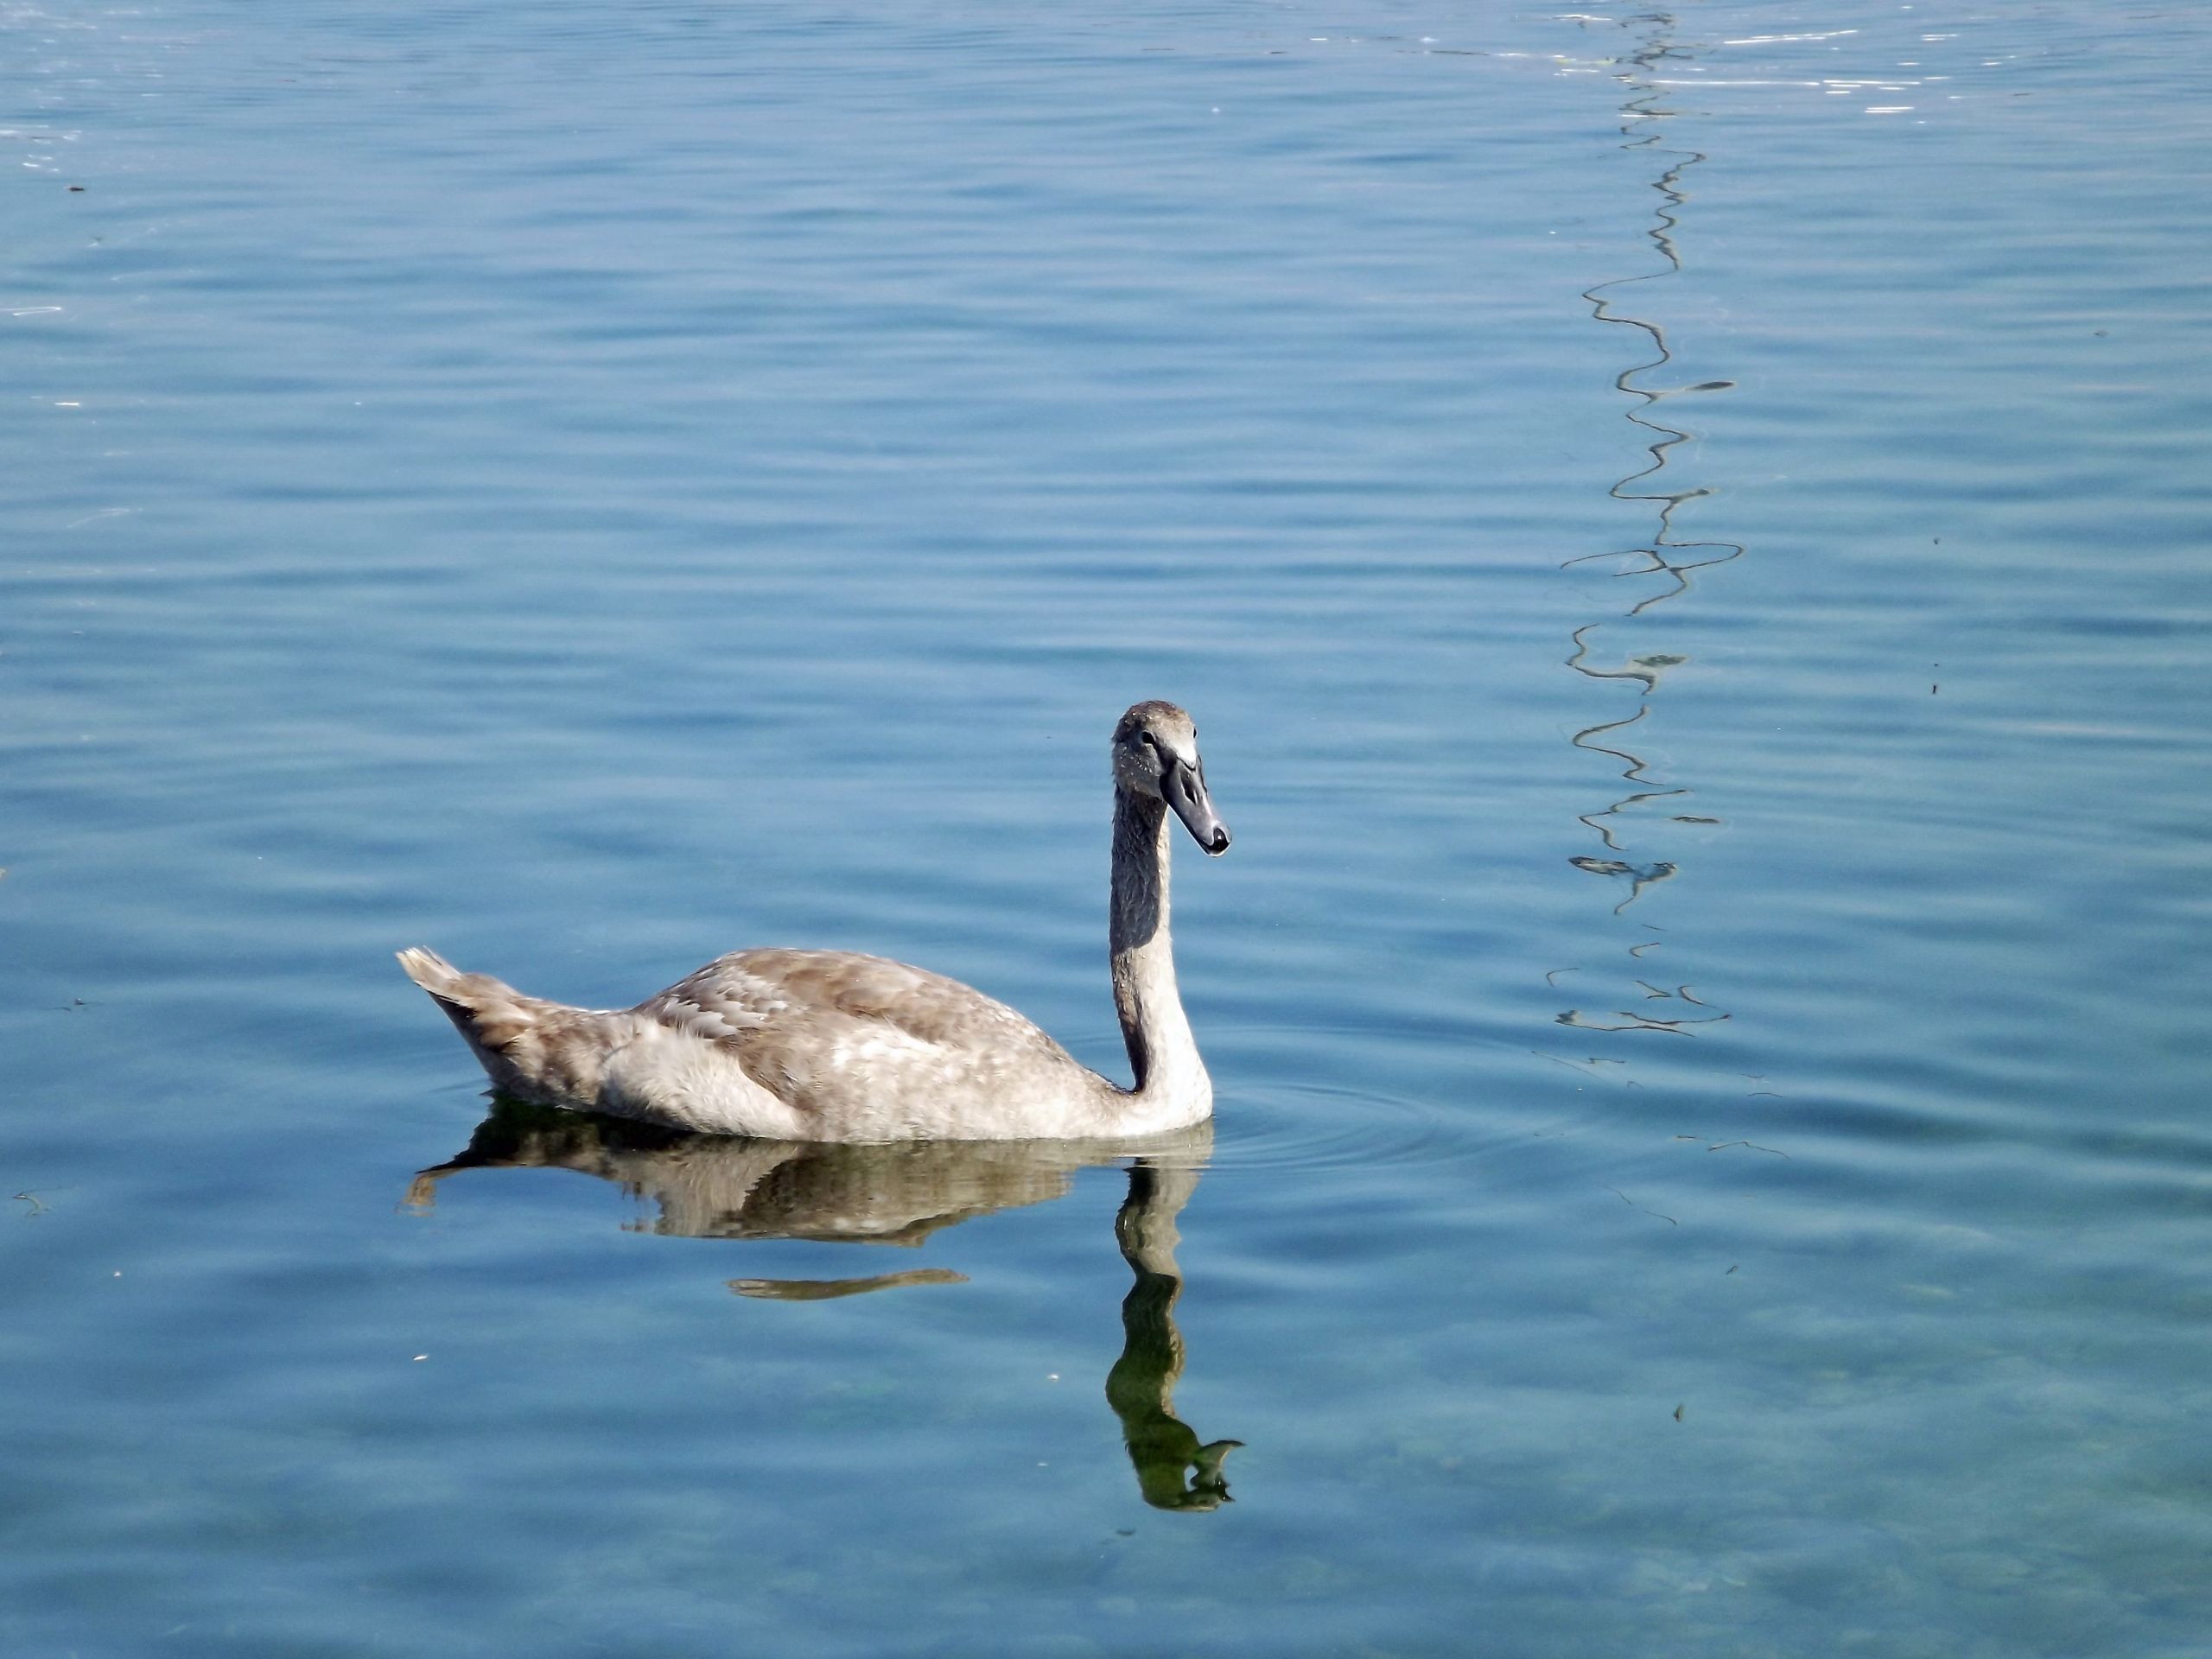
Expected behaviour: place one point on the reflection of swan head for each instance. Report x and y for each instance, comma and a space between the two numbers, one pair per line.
1209, 1484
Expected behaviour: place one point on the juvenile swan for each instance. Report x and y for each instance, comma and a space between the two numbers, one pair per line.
830, 1046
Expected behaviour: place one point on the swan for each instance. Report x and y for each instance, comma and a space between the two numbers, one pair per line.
834, 1046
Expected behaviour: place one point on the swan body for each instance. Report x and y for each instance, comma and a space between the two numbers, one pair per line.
834, 1046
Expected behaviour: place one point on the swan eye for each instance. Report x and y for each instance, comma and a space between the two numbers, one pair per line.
1150, 742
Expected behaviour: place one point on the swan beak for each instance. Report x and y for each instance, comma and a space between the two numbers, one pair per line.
1186, 790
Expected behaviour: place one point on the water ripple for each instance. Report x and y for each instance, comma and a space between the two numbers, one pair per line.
1317, 1127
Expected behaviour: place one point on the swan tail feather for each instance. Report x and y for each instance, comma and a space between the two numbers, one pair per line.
532, 1048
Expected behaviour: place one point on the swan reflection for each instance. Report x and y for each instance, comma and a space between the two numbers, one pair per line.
715, 1186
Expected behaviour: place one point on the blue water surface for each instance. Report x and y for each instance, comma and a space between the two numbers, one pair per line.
1685, 534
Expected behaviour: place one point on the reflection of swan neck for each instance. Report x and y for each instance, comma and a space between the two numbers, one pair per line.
1174, 1471
1168, 1075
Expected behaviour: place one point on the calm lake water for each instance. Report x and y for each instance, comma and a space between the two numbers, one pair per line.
1686, 536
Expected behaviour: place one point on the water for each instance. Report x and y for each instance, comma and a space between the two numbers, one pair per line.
1711, 1156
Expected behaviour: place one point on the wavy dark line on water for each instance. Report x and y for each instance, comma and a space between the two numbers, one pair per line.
1641, 109
1636, 763
1664, 554
1649, 668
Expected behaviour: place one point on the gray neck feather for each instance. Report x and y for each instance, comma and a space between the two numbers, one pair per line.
1163, 1057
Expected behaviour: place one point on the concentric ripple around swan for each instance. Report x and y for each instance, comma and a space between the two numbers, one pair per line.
1319, 1125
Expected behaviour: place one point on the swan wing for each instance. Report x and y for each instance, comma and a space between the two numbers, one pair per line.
864, 1048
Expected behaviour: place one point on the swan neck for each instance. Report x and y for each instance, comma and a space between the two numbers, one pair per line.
1163, 1057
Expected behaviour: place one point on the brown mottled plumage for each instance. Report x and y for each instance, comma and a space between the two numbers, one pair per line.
834, 1046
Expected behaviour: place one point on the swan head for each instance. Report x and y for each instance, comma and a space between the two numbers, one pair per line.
1156, 754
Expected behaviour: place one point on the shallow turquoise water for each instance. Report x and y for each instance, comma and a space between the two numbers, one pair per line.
1712, 1155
